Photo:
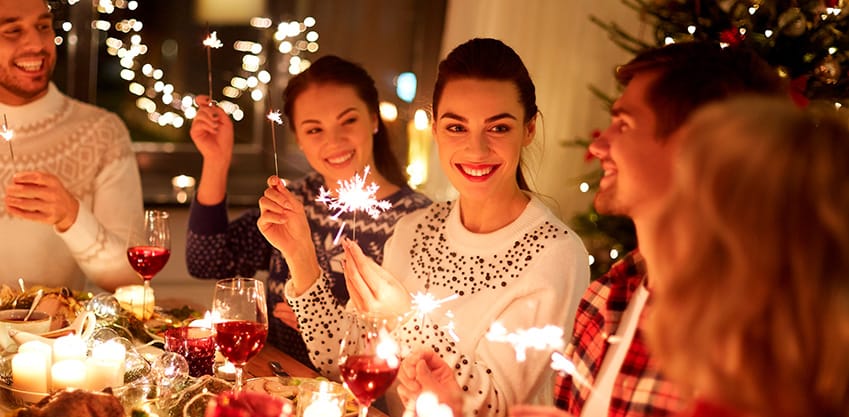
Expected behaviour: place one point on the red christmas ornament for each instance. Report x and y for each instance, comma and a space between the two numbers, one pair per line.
731, 36
832, 3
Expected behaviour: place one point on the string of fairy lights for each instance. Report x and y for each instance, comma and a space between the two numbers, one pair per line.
164, 104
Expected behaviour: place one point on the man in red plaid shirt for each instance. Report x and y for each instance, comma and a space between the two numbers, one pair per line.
662, 87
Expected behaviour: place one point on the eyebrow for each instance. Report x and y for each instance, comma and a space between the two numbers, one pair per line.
13, 19
341, 115
457, 117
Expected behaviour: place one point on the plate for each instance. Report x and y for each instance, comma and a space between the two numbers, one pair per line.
287, 387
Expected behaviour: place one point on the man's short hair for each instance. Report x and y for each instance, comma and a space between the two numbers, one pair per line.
691, 74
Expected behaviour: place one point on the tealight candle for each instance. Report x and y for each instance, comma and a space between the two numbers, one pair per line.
42, 349
30, 373
132, 298
105, 367
69, 347
321, 399
70, 373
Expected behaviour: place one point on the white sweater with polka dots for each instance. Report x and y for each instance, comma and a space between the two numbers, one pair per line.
530, 273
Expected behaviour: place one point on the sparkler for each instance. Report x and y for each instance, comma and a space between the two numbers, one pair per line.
425, 303
537, 338
353, 195
8, 134
274, 117
560, 364
210, 42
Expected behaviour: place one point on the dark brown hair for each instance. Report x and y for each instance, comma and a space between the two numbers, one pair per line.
691, 74
331, 69
488, 59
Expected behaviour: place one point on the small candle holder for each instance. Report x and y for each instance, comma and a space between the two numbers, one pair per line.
196, 344
321, 399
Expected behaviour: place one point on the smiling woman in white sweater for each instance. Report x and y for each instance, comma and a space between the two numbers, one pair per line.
497, 247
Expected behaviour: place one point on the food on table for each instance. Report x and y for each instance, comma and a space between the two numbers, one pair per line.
74, 403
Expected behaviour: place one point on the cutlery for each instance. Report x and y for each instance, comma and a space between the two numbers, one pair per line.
278, 369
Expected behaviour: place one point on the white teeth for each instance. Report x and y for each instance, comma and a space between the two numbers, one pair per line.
340, 159
477, 172
29, 65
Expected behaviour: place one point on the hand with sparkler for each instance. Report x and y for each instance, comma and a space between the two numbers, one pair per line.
283, 223
210, 42
41, 197
212, 133
371, 287
424, 371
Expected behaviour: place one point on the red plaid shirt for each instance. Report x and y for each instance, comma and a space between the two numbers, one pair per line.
639, 389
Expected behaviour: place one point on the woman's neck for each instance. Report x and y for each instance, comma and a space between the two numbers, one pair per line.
489, 215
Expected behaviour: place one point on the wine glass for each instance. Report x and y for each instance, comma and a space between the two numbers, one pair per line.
148, 248
369, 357
241, 321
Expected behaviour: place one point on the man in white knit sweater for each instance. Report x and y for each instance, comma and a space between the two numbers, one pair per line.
72, 188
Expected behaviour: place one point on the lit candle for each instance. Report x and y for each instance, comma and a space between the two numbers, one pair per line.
105, 367
132, 298
69, 347
69, 373
42, 349
326, 401
29, 373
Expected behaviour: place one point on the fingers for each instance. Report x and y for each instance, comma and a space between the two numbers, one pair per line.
521, 410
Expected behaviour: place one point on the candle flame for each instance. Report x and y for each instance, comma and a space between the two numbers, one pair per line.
212, 41
537, 338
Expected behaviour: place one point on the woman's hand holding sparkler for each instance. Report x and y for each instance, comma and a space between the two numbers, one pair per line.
212, 133
41, 197
283, 223
424, 371
370, 286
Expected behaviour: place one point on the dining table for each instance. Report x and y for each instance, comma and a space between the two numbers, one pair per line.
259, 366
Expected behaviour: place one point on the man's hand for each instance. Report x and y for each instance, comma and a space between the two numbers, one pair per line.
41, 197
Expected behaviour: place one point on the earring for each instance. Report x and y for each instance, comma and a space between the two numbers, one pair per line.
375, 130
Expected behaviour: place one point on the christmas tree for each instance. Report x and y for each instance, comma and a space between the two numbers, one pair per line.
807, 41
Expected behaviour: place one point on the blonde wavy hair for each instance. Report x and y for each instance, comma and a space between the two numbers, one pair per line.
751, 291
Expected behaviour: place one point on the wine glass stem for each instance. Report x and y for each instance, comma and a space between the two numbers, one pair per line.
238, 386
144, 299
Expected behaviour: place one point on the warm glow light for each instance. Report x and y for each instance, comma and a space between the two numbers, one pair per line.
420, 120
388, 111
584, 187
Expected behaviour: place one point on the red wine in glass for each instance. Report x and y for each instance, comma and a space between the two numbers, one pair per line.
241, 321
148, 248
368, 377
148, 260
369, 357
240, 340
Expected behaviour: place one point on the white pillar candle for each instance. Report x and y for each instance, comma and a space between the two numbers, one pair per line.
70, 373
105, 367
30, 373
132, 298
70, 347
42, 349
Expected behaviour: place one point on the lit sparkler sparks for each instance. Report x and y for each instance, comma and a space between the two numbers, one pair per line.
425, 303
274, 117
560, 364
353, 195
8, 134
210, 42
537, 338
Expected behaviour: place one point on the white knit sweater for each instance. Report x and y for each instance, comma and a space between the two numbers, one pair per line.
89, 150
531, 273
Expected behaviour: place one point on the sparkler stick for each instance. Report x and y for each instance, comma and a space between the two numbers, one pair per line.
8, 134
210, 42
353, 195
274, 117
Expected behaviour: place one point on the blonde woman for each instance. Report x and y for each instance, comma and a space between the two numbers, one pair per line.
750, 254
